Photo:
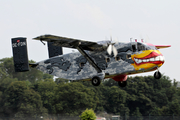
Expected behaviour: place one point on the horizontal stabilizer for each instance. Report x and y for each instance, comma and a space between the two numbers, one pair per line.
33, 65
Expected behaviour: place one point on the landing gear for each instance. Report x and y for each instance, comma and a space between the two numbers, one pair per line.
157, 75
122, 83
96, 81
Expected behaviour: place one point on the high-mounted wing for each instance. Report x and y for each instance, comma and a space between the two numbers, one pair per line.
80, 45
72, 43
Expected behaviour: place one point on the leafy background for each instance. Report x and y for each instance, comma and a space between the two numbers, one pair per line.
34, 93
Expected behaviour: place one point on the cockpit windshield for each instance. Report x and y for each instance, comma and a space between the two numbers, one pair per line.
151, 47
141, 47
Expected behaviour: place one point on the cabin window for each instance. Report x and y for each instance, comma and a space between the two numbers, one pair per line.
107, 59
141, 47
81, 64
117, 58
128, 56
134, 48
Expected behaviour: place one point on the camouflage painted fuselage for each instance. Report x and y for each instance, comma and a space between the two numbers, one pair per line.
74, 66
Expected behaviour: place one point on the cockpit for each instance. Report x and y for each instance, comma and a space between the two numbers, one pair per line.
141, 47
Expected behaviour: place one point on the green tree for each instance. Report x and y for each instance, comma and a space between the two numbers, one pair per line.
46, 89
72, 98
116, 100
5, 82
137, 114
61, 80
101, 93
174, 107
7, 70
110, 82
47, 76
22, 101
88, 115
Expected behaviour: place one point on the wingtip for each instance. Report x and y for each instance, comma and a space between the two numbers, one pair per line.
162, 46
42, 36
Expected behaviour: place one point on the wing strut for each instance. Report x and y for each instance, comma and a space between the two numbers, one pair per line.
89, 59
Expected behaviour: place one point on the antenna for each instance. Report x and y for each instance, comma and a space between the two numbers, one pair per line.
142, 40
131, 39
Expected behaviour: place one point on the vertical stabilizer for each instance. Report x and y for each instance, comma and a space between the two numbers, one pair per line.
54, 50
20, 55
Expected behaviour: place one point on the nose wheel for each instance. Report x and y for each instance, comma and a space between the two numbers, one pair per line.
157, 75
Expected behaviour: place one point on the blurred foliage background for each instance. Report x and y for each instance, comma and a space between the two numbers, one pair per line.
34, 93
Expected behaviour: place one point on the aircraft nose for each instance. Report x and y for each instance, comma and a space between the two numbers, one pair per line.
159, 58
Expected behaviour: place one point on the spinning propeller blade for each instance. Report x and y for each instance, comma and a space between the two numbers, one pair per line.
111, 48
114, 51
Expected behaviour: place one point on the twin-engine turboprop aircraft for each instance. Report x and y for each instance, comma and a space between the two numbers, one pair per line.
94, 62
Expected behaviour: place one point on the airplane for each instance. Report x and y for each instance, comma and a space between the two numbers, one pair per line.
94, 61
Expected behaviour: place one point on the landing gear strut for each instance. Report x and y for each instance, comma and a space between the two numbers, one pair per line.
122, 83
96, 81
157, 75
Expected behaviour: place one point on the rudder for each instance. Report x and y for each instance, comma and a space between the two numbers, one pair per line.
54, 50
20, 55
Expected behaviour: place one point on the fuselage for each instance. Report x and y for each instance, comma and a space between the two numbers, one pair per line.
132, 58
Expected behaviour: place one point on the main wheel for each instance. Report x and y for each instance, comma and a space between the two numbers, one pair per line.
96, 81
122, 83
157, 75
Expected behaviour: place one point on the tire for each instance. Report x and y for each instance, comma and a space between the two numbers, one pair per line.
122, 83
96, 81
157, 75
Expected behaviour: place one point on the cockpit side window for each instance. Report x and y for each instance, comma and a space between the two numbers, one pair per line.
151, 48
141, 47
134, 48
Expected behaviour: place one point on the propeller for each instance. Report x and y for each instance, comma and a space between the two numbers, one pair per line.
111, 49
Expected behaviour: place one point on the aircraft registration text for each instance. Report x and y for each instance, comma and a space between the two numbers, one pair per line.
19, 44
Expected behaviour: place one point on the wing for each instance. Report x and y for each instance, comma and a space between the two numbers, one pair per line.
80, 45
72, 43
162, 46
